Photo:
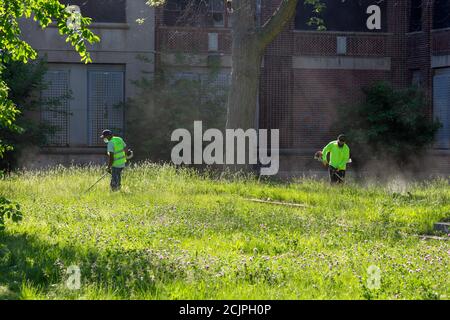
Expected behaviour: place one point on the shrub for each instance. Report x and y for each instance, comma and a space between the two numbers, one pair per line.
388, 124
25, 82
168, 102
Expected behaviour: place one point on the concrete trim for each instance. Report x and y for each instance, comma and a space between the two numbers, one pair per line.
440, 30
440, 61
47, 50
297, 152
74, 150
194, 60
344, 33
342, 63
414, 33
439, 152
310, 152
101, 25
222, 30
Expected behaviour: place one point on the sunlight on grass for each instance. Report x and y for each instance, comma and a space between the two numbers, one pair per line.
178, 234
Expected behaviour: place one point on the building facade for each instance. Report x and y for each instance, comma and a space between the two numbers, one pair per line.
307, 73
97, 91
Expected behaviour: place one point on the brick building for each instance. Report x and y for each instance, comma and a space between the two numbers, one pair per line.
307, 73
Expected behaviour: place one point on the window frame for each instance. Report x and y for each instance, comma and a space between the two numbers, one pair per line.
121, 18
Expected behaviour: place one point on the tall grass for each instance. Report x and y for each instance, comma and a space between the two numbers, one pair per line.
177, 234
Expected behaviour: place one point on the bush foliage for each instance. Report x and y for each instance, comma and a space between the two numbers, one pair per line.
168, 102
9, 210
388, 124
25, 82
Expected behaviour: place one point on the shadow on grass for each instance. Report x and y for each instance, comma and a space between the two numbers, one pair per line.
27, 260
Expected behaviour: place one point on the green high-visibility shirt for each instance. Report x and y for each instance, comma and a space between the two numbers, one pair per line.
116, 146
339, 157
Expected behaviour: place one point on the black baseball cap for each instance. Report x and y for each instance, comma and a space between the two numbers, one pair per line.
106, 133
341, 137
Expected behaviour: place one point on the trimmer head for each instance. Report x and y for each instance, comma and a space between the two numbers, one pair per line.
130, 154
318, 156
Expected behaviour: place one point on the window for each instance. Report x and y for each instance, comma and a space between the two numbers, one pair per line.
173, 12
211, 85
216, 13
416, 79
441, 14
441, 102
105, 103
96, 103
415, 18
185, 75
341, 45
101, 10
343, 15
55, 109
215, 85
199, 13
213, 42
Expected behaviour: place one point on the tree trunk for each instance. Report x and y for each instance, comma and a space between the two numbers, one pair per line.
248, 45
246, 69
249, 40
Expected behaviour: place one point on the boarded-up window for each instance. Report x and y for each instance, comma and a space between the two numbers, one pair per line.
441, 14
105, 104
101, 10
55, 107
348, 15
441, 100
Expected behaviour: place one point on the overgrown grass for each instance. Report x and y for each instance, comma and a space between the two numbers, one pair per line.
176, 234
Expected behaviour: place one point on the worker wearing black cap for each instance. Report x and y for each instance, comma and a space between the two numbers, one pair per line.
339, 157
117, 152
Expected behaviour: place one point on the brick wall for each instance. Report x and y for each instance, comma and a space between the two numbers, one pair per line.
302, 102
441, 42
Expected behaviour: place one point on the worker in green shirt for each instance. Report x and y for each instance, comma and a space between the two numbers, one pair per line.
339, 156
117, 157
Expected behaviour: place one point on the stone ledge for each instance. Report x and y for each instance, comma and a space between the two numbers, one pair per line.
341, 63
75, 150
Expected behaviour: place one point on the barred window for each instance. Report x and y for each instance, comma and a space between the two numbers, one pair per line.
210, 85
105, 103
441, 101
80, 101
55, 107
101, 10
215, 85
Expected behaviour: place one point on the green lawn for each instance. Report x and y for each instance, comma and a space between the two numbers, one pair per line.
179, 235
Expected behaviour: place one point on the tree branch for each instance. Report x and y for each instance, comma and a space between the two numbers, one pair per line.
277, 22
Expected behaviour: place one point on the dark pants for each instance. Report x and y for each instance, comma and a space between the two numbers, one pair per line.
336, 176
116, 178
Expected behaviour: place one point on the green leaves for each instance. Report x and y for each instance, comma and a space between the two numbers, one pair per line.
389, 124
12, 48
9, 210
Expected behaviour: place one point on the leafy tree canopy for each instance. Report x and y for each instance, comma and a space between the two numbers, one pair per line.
12, 48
